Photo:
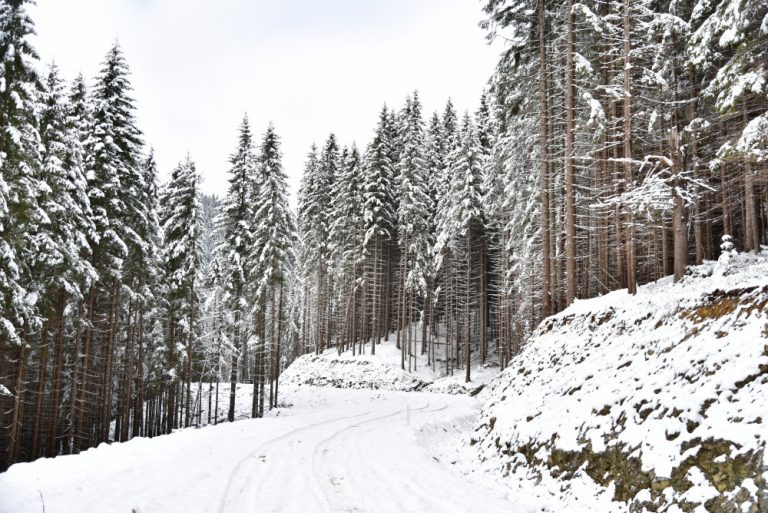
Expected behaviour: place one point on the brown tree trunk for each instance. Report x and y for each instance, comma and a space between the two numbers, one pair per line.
279, 340
630, 247
467, 306
233, 370
73, 384
109, 368
58, 371
679, 227
43, 366
751, 223
546, 284
570, 215
190, 341
17, 415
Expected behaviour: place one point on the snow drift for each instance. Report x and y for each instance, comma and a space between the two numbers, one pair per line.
345, 371
381, 371
656, 402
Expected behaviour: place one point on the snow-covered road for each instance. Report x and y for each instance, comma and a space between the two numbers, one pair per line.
333, 451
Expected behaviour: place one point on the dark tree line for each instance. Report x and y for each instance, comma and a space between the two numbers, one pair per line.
120, 297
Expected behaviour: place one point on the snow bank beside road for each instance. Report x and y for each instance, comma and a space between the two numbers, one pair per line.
381, 371
657, 402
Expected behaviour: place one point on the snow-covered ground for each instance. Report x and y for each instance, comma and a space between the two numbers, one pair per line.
656, 401
331, 450
382, 371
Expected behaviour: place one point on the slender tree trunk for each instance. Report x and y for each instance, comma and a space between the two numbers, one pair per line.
17, 414
139, 407
58, 371
73, 385
467, 306
546, 292
261, 318
630, 247
279, 340
235, 350
679, 227
482, 305
86, 371
570, 215
751, 223
263, 355
111, 342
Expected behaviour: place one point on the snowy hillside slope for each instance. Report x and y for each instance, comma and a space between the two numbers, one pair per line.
657, 402
382, 371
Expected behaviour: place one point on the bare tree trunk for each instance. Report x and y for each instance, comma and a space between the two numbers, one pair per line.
570, 214
468, 305
679, 227
751, 223
546, 284
262, 354
73, 386
257, 328
630, 248
279, 340
235, 350
139, 407
482, 303
86, 370
17, 415
190, 340
109, 369
58, 370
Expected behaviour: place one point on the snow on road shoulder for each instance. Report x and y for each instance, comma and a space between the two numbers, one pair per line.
629, 400
382, 371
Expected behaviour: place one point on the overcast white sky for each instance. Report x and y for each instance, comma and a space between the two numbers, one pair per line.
310, 66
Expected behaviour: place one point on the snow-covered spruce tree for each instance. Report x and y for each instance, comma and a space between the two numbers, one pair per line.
379, 220
181, 219
514, 193
460, 234
115, 189
413, 216
347, 255
235, 224
58, 251
274, 236
19, 212
148, 303
211, 318
316, 219
435, 171
488, 259
306, 249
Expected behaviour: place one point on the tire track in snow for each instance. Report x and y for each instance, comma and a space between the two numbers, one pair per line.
334, 486
239, 479
381, 468
321, 478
